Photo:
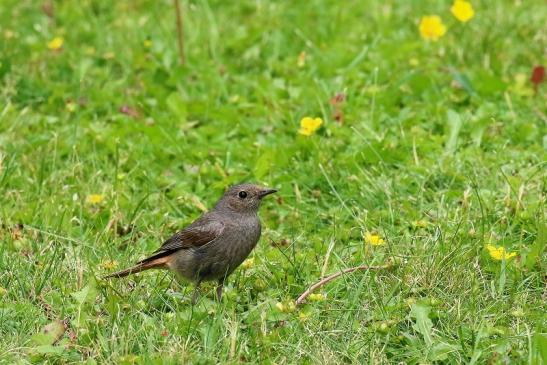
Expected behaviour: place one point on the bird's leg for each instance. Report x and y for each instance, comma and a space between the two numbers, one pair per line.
219, 288
195, 295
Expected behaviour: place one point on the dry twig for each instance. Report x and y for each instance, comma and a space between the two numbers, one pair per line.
329, 278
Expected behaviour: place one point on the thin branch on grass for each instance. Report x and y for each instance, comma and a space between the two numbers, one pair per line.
180, 31
329, 278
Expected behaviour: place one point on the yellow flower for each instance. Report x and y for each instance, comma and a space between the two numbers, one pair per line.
247, 264
521, 85
309, 126
286, 308
316, 297
420, 223
499, 253
374, 239
56, 43
94, 198
432, 27
147, 43
303, 316
109, 264
462, 10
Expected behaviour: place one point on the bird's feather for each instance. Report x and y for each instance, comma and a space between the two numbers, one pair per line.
157, 263
202, 231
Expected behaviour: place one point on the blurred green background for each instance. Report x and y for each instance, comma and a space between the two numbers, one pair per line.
437, 147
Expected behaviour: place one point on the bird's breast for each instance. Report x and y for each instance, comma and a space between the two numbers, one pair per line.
220, 258
243, 237
239, 242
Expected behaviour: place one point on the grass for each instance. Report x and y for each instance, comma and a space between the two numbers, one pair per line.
439, 147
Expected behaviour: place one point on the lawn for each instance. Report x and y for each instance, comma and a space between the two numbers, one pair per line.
430, 160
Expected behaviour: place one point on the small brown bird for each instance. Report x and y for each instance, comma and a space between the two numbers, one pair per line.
214, 245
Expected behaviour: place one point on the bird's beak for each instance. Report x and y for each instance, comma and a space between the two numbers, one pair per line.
265, 192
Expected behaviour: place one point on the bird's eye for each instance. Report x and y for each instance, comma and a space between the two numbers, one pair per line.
242, 194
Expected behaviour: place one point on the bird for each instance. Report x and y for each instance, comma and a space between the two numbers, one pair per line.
215, 244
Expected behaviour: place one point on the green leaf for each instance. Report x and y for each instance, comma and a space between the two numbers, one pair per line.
538, 247
422, 324
263, 164
454, 127
477, 131
48, 349
128, 359
488, 84
86, 295
463, 80
419, 83
540, 347
5, 67
83, 298
440, 351
50, 334
177, 106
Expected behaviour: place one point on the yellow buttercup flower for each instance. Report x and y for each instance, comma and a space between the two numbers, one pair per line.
462, 10
309, 126
109, 264
374, 239
247, 264
432, 27
94, 198
56, 43
499, 253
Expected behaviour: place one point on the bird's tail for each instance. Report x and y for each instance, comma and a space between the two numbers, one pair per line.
159, 263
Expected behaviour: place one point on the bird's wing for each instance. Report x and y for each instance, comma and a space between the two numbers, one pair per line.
202, 231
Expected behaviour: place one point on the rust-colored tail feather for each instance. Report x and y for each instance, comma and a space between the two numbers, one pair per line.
160, 263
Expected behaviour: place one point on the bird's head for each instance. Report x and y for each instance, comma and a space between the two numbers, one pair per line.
244, 198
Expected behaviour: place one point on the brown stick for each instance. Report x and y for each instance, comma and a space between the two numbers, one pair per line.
329, 278
180, 31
